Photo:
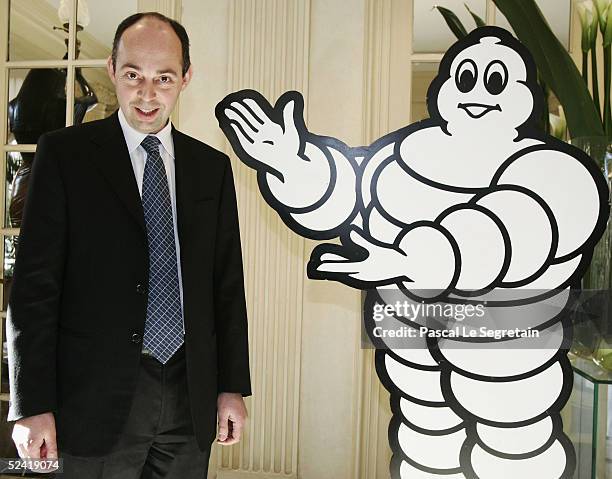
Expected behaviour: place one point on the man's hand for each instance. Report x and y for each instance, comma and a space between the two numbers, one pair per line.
34, 437
231, 413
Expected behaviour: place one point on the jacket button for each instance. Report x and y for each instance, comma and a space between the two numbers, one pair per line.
136, 338
140, 289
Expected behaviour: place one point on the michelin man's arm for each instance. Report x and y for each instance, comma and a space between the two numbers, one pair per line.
422, 258
533, 223
309, 180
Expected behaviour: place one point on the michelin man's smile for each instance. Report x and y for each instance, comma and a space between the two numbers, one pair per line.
478, 110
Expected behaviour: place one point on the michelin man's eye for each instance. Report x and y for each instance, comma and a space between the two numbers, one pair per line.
496, 77
466, 75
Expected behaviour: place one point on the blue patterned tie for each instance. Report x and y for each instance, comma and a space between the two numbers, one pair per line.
163, 328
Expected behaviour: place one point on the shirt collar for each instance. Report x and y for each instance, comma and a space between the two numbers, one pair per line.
134, 138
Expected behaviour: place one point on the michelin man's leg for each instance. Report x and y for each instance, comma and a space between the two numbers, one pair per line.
514, 424
539, 449
426, 436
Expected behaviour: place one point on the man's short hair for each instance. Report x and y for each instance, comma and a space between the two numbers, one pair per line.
176, 26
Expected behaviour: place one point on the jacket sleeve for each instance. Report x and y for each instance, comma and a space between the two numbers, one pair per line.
34, 302
229, 298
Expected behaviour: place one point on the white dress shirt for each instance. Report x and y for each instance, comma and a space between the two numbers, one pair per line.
138, 156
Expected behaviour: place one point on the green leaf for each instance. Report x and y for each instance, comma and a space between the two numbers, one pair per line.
453, 22
555, 65
479, 21
608, 33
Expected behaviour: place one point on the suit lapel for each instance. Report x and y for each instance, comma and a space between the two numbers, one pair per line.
113, 160
185, 175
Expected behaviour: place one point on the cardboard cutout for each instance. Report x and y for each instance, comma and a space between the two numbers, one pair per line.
473, 207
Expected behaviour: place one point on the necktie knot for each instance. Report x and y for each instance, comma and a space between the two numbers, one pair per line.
150, 144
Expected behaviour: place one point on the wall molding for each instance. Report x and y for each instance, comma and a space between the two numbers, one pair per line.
387, 103
268, 51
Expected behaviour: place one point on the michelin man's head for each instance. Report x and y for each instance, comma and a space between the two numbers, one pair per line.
484, 85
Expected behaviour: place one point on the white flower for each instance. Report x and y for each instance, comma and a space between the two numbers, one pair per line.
585, 12
588, 20
603, 7
558, 124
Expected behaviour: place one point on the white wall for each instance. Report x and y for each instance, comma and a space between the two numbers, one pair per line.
304, 334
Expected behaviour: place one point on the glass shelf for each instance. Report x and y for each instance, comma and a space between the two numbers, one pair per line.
587, 419
589, 370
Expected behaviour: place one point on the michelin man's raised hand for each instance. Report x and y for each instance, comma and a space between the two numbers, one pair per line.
272, 144
298, 172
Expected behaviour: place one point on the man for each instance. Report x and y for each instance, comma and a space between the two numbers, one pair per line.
127, 329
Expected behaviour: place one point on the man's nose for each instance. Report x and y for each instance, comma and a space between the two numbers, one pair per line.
147, 92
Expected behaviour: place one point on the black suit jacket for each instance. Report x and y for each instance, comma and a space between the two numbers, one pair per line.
78, 301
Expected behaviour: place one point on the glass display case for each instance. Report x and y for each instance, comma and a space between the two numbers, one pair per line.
587, 419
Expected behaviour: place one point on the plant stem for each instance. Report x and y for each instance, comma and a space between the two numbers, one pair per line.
595, 80
545, 115
585, 67
607, 78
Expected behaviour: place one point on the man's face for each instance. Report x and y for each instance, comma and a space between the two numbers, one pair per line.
148, 74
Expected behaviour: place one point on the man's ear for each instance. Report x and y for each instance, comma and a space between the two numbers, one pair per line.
187, 77
110, 69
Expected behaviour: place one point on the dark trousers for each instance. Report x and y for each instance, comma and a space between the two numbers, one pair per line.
158, 439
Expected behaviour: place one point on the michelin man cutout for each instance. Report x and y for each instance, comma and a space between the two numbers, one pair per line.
472, 206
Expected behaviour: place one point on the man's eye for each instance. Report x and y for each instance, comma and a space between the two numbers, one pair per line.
164, 79
132, 75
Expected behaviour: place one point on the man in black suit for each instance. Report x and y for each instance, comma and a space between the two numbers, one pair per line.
127, 329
